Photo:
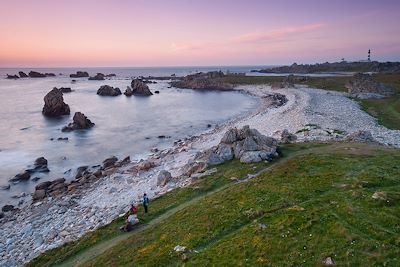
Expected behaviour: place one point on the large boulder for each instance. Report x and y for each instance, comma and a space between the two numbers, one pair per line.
79, 74
287, 137
40, 165
128, 91
163, 178
363, 86
107, 90
80, 122
139, 88
247, 145
54, 105
97, 77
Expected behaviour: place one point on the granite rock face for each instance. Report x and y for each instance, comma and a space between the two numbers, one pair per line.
54, 105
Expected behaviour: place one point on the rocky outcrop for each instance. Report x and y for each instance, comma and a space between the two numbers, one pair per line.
245, 144
139, 88
204, 81
40, 165
289, 82
110, 162
23, 74
97, 77
12, 76
287, 137
80, 122
107, 90
54, 188
54, 105
35, 74
79, 74
363, 86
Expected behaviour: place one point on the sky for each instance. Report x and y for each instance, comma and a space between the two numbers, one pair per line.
135, 33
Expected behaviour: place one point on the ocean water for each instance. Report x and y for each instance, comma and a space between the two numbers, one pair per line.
124, 126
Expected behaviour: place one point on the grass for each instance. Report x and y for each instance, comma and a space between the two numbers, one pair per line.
314, 204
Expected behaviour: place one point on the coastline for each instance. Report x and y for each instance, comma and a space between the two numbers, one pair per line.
52, 223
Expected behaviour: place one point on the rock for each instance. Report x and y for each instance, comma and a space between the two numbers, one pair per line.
179, 248
204, 81
125, 161
112, 190
80, 171
111, 75
21, 177
363, 86
156, 92
145, 165
57, 181
40, 162
47, 74
230, 137
107, 90
35, 74
39, 194
23, 74
1, 216
328, 262
194, 167
109, 162
54, 105
287, 137
7, 208
163, 178
43, 185
361, 136
12, 76
139, 88
5, 187
380, 196
80, 122
65, 89
98, 77
35, 179
79, 74
128, 91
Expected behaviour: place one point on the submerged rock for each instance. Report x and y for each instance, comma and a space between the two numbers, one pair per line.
80, 122
54, 105
139, 88
107, 90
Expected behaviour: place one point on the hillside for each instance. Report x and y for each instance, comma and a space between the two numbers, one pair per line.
318, 202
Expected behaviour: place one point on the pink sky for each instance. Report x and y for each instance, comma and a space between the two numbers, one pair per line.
61, 33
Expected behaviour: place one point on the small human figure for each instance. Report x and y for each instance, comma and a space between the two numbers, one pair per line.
145, 202
134, 209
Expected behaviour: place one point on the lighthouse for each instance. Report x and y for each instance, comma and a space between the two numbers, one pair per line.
369, 55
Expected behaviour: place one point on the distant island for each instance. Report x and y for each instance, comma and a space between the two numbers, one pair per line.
344, 66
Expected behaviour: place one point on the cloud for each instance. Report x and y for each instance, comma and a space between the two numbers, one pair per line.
260, 37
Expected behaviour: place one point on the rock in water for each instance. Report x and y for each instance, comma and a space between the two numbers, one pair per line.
12, 76
80, 122
23, 74
79, 74
65, 90
107, 90
54, 105
128, 91
21, 177
139, 88
98, 77
35, 74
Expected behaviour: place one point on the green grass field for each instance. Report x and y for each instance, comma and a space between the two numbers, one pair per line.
315, 202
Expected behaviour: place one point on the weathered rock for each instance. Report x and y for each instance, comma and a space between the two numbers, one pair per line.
43, 185
139, 88
109, 162
145, 165
125, 161
194, 167
80, 122
163, 178
23, 74
40, 165
65, 90
7, 208
287, 137
79, 74
361, 136
363, 86
97, 77
128, 91
39, 194
24, 176
54, 105
35, 74
107, 90
204, 81
12, 76
41, 162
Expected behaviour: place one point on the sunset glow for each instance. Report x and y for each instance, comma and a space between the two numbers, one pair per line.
48, 33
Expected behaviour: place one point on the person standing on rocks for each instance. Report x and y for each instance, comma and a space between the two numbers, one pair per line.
145, 202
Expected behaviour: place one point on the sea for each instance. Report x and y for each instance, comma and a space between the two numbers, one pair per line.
124, 126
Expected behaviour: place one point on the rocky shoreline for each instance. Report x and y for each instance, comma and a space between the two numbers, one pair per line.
311, 114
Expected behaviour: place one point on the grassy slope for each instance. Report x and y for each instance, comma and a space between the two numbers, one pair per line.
314, 205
